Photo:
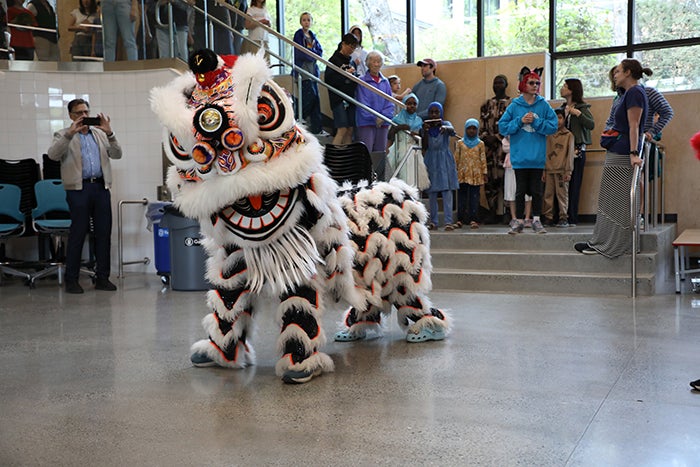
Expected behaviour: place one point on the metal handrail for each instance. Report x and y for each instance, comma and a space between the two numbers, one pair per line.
30, 28
416, 147
634, 222
170, 25
120, 246
309, 53
300, 70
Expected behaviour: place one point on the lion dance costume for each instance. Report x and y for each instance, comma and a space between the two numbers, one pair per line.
275, 225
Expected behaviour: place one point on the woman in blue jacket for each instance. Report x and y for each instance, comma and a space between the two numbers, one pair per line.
311, 102
372, 130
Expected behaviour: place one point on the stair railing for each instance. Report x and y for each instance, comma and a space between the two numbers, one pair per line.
634, 217
417, 149
328, 64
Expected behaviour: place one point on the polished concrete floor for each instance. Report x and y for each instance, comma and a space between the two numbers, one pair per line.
104, 379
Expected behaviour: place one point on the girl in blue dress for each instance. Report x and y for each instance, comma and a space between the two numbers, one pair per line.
441, 166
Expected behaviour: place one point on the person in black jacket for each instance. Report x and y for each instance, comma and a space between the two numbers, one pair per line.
343, 111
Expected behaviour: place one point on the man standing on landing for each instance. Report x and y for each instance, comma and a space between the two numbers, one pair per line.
84, 152
430, 89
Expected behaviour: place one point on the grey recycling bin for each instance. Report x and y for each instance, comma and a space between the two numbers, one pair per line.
187, 255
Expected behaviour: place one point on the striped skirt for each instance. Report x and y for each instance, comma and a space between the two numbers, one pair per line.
612, 234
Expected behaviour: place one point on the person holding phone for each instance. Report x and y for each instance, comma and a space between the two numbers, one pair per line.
84, 150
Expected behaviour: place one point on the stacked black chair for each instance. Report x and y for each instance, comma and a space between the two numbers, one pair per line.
348, 162
50, 169
24, 173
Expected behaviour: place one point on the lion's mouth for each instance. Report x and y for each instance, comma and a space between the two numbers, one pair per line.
257, 217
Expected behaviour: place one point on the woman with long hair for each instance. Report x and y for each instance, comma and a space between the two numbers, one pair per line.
579, 121
612, 235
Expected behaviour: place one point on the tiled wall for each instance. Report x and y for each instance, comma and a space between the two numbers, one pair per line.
34, 106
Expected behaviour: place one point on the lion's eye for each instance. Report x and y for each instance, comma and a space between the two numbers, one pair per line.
210, 120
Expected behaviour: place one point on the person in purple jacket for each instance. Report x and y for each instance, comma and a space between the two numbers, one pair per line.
372, 130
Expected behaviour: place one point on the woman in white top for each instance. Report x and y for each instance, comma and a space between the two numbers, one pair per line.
255, 33
359, 56
82, 18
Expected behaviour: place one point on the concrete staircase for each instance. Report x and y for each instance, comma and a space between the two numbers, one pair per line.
490, 260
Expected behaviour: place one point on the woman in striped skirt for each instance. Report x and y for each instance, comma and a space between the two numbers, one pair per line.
612, 235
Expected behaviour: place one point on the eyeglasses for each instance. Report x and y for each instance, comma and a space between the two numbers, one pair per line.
533, 83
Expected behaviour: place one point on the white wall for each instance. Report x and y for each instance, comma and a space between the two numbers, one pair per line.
34, 106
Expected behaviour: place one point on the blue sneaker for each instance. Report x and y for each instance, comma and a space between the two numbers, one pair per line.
347, 336
201, 359
426, 334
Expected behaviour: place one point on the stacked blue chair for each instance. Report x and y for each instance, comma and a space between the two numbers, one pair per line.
51, 217
12, 222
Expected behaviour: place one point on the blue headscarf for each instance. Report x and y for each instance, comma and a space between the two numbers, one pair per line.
471, 142
413, 121
435, 131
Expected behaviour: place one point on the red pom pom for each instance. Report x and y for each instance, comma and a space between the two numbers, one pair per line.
695, 143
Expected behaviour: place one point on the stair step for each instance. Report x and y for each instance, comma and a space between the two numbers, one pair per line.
541, 261
540, 282
491, 260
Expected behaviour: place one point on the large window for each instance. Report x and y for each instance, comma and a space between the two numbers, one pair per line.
445, 30
383, 24
585, 24
664, 20
517, 27
326, 23
675, 69
593, 71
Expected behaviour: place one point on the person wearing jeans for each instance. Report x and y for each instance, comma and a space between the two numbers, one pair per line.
119, 15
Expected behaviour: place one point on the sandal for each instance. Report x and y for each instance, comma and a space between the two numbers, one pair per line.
458, 225
432, 226
449, 227
474, 225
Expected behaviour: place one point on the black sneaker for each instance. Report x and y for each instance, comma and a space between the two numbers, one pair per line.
695, 384
300, 377
105, 284
581, 246
73, 287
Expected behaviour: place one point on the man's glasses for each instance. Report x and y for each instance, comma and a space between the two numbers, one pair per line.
533, 83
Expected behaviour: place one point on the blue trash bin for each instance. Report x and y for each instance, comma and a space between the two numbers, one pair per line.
161, 239
161, 251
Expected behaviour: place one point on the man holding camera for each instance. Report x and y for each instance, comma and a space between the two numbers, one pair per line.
84, 149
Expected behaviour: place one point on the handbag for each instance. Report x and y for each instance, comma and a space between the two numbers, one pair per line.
609, 137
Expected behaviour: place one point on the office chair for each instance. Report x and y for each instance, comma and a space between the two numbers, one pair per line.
12, 223
51, 217
348, 162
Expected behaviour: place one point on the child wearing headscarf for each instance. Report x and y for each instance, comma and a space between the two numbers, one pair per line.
472, 173
438, 159
400, 142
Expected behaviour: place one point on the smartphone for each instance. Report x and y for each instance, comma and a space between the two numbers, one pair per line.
434, 122
92, 121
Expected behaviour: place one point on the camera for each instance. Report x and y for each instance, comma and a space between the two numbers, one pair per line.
92, 121
433, 122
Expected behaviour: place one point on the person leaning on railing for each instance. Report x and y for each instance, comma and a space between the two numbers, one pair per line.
343, 111
612, 234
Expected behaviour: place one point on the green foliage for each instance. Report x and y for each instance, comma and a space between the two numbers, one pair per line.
523, 28
326, 23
